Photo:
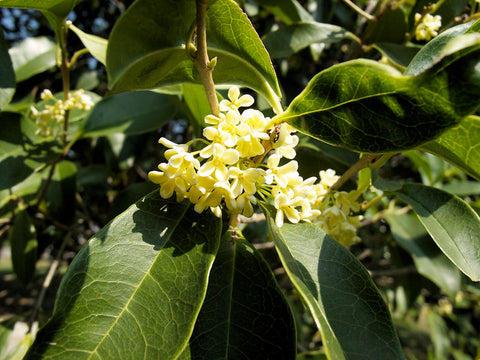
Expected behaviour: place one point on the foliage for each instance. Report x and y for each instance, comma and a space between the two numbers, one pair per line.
339, 220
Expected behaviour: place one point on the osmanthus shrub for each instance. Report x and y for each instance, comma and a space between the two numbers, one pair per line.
172, 277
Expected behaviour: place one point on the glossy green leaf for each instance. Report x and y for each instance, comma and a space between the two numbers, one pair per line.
197, 105
21, 151
289, 11
23, 242
60, 199
462, 188
429, 53
459, 146
451, 222
369, 107
7, 76
58, 8
340, 294
133, 112
295, 37
136, 288
244, 305
33, 56
96, 45
147, 48
410, 234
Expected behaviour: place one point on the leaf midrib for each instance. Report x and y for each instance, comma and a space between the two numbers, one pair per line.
132, 296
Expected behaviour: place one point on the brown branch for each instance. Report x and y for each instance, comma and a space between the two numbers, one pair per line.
201, 61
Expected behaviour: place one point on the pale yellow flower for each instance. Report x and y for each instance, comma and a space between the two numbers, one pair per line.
280, 174
221, 156
428, 27
236, 101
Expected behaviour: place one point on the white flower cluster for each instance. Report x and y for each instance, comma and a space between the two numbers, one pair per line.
427, 29
229, 170
51, 118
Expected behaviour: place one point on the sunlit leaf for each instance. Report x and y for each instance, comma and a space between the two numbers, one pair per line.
459, 146
369, 107
136, 287
340, 294
295, 37
130, 113
429, 53
7, 76
244, 305
429, 260
147, 48
23, 242
33, 56
451, 222
96, 45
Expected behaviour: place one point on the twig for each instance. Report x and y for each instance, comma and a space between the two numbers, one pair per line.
46, 284
362, 163
359, 10
394, 272
263, 246
201, 61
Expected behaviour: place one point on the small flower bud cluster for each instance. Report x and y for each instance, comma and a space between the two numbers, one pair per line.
427, 28
229, 171
50, 119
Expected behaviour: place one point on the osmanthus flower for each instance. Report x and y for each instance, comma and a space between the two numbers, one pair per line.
235, 100
52, 116
427, 27
280, 174
241, 164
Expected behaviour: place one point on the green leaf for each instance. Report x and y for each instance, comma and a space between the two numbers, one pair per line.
197, 105
21, 152
28, 190
23, 242
340, 294
390, 27
295, 37
459, 146
410, 234
147, 48
369, 107
289, 11
33, 56
129, 196
133, 112
451, 222
57, 8
96, 45
60, 198
429, 53
400, 55
244, 305
7, 76
136, 288
461, 188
